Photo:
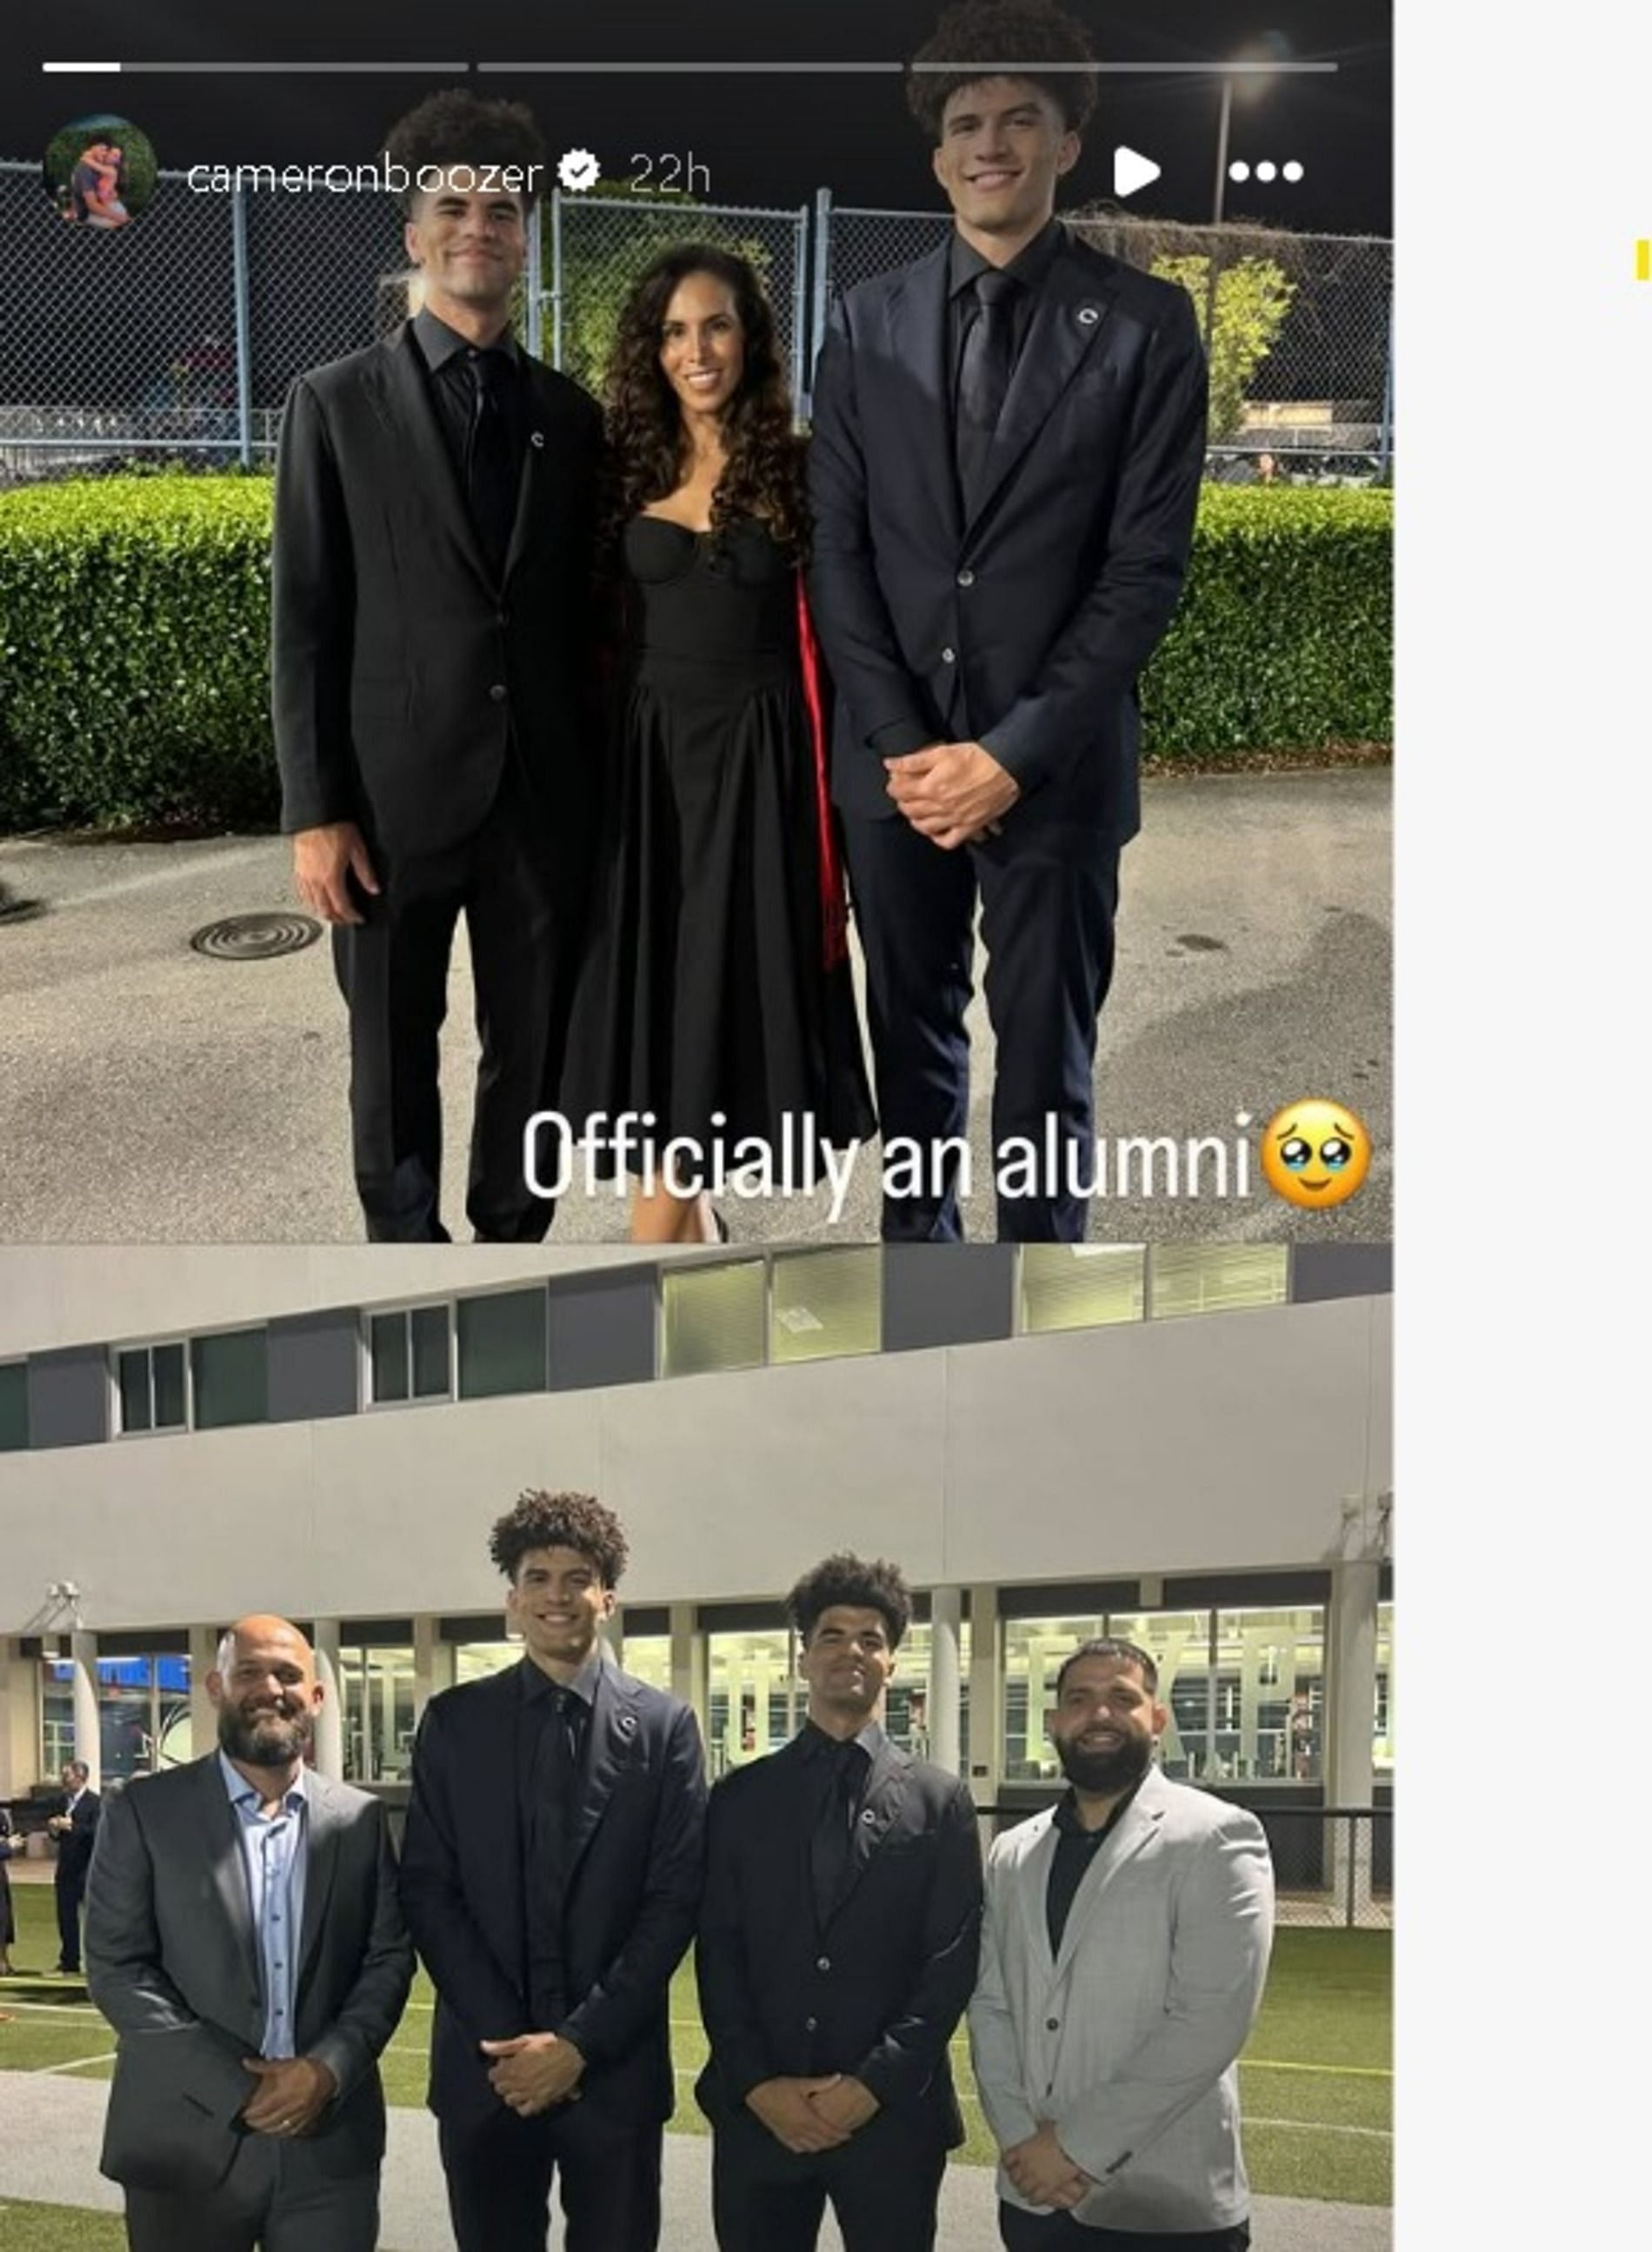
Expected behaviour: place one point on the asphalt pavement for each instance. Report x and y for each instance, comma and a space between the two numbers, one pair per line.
151, 1094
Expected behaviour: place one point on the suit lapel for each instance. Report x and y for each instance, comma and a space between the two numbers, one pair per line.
613, 1735
880, 1804
1070, 313
411, 419
326, 1825
220, 1825
918, 342
1140, 1821
535, 478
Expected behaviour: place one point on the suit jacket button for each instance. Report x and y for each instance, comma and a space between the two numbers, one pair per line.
824, 1963
966, 578
1052, 2024
949, 657
499, 691
811, 2025
505, 617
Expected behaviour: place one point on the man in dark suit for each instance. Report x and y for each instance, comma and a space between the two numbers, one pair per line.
1007, 438
245, 1939
836, 1952
75, 1827
551, 1875
435, 532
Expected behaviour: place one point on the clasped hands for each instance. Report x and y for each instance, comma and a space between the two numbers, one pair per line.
534, 2071
813, 2115
952, 793
1044, 2173
291, 2094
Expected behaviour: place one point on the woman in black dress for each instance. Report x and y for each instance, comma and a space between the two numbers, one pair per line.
722, 1011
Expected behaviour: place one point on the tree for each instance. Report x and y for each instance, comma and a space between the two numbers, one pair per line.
1252, 297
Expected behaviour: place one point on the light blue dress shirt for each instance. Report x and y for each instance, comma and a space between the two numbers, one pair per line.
274, 1851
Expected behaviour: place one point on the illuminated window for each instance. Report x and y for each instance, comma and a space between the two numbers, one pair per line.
1198, 1278
826, 1304
1080, 1286
714, 1317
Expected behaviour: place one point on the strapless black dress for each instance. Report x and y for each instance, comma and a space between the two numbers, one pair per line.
713, 1007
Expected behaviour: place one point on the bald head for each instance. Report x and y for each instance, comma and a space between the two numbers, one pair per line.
265, 1688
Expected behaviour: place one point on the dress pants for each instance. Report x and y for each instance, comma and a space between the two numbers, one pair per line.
500, 2178
68, 1887
525, 911
1048, 891
1049, 2231
274, 2196
883, 2185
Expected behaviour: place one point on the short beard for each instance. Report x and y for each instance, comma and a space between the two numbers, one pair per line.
269, 1740
1105, 1774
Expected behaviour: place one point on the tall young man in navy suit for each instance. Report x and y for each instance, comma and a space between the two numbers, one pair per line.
1008, 441
551, 1878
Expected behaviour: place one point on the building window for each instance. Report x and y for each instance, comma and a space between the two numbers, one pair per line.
714, 1317
501, 1343
647, 1658
755, 1698
14, 1406
231, 1373
143, 1715
474, 1661
906, 1700
824, 1304
411, 1353
1198, 1278
154, 1387
377, 1697
1270, 1696
1383, 1744
1080, 1286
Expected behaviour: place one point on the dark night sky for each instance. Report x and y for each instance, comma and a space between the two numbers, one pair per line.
766, 140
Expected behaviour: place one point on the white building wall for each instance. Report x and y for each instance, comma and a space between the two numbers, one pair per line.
1219, 1442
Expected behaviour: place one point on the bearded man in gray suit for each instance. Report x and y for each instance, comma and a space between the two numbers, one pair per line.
244, 1939
1122, 1959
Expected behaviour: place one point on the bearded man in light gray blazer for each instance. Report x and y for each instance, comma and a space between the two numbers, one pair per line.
1123, 1955
244, 1939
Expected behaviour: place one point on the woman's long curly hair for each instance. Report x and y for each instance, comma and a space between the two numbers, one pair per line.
648, 442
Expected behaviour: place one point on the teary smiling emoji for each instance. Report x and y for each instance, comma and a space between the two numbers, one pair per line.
1315, 1153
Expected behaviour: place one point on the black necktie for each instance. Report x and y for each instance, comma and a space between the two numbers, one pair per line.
490, 484
831, 1844
983, 376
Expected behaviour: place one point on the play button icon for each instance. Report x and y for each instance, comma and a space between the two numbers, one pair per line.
1131, 170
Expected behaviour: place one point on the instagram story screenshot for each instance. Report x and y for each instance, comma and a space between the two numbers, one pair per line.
878, 723
696, 1132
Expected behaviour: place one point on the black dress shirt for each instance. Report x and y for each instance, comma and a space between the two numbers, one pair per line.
1076, 1848
551, 1761
451, 361
1030, 267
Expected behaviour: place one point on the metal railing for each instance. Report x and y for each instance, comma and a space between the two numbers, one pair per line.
179, 337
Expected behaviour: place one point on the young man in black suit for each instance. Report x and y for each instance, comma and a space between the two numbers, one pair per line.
75, 1827
436, 507
1007, 440
551, 1876
837, 1951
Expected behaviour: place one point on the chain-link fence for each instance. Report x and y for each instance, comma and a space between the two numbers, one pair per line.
1298, 327
180, 336
1333, 1866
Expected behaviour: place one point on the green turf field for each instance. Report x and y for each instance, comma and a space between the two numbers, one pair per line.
1315, 2080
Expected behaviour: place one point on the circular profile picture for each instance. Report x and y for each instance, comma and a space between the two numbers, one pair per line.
100, 173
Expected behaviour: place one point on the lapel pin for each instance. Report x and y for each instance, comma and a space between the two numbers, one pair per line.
628, 1724
867, 1815
1088, 317
536, 437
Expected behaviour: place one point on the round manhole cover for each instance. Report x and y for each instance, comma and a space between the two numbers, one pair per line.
256, 937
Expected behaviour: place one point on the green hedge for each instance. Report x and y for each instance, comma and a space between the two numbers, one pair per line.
134, 631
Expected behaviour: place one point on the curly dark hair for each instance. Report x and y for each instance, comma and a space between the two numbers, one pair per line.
648, 441
560, 1520
458, 128
1010, 33
864, 1587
